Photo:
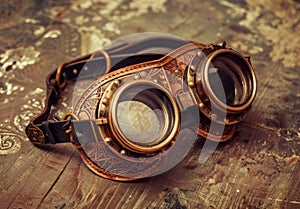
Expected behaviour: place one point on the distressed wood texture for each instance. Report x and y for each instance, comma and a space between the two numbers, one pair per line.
258, 168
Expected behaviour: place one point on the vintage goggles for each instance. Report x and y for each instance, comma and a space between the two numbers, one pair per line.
139, 105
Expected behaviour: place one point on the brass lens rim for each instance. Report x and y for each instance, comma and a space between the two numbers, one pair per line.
251, 80
168, 133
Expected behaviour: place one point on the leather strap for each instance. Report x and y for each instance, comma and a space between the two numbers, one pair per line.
45, 130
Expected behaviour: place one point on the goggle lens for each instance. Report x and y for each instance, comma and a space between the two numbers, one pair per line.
144, 115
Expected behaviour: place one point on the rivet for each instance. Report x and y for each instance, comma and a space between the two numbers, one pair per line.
201, 105
192, 67
191, 84
226, 120
123, 152
117, 82
107, 139
103, 108
109, 94
192, 70
200, 54
223, 44
213, 116
113, 86
105, 101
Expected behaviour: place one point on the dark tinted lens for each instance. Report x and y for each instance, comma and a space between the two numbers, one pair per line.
228, 79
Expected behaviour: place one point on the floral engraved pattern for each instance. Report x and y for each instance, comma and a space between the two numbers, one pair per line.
114, 163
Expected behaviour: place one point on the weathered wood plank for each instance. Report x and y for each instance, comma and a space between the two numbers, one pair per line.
30, 178
245, 171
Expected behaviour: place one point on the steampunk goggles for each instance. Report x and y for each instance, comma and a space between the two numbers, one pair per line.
139, 106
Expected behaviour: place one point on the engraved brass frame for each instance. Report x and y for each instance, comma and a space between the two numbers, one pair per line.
198, 80
108, 109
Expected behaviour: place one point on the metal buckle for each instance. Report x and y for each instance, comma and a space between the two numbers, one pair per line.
58, 75
106, 56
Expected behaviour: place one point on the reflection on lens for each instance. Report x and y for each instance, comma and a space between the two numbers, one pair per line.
143, 116
223, 86
139, 122
230, 80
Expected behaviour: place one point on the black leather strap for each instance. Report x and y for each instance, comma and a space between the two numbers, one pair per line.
86, 131
44, 130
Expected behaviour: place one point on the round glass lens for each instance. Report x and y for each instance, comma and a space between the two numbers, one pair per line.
139, 122
227, 78
144, 114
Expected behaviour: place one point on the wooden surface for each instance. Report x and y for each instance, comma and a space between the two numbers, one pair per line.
258, 168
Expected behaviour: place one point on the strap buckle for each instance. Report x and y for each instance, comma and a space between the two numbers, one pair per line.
68, 115
35, 134
58, 75
106, 56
